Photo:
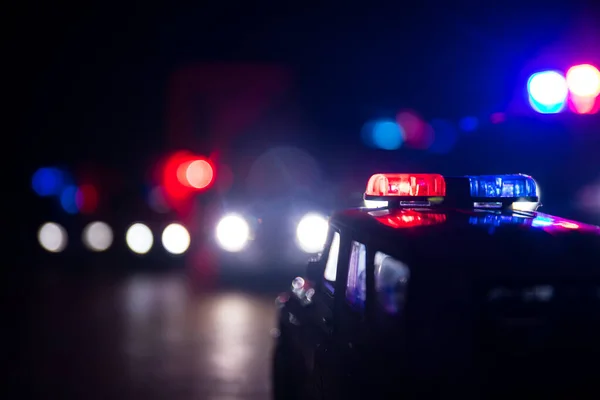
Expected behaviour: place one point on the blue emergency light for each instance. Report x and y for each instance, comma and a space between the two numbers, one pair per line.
503, 186
497, 191
516, 191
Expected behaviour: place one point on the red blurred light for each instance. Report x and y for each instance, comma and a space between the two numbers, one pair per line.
406, 185
171, 177
86, 199
181, 173
584, 105
584, 80
410, 219
417, 133
185, 173
199, 174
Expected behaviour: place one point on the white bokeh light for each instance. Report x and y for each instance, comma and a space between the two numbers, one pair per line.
548, 88
312, 232
176, 239
52, 237
97, 236
139, 238
232, 233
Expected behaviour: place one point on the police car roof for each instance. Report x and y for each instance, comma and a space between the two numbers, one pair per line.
423, 221
504, 236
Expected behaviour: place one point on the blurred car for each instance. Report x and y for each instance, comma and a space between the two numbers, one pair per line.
276, 235
421, 298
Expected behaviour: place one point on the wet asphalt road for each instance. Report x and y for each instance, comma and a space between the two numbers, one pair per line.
141, 337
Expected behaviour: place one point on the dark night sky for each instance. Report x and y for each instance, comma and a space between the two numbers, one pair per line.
101, 70
92, 79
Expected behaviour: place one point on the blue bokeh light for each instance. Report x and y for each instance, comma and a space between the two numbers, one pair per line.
387, 135
546, 108
68, 199
48, 181
469, 124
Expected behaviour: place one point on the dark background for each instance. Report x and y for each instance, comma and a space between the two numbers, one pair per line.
93, 90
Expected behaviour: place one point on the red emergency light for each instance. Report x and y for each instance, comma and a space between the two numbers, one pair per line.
405, 185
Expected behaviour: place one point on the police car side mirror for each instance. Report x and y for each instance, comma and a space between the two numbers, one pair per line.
315, 270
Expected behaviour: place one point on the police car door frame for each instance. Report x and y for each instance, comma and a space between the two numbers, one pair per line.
320, 316
337, 351
326, 318
327, 313
351, 340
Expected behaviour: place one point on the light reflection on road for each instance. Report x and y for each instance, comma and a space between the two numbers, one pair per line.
150, 337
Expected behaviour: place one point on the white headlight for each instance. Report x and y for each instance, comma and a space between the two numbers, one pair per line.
312, 233
232, 233
52, 237
97, 236
139, 238
176, 239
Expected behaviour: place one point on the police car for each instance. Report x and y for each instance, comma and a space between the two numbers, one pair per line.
444, 286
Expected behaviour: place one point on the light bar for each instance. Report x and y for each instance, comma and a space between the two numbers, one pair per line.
503, 186
408, 186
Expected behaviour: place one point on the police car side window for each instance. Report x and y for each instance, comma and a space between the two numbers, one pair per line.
332, 259
356, 287
391, 281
